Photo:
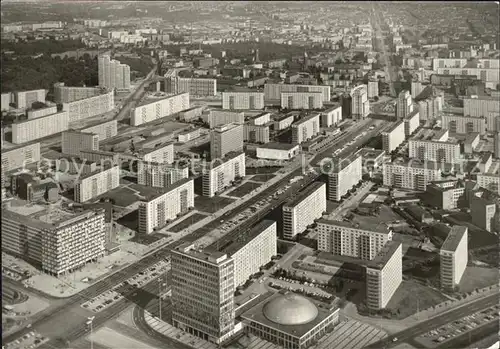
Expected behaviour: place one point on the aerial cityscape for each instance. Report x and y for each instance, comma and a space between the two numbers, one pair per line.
245, 174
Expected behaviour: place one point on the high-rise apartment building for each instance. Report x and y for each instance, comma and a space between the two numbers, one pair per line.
429, 108
301, 100
94, 184
250, 249
242, 100
304, 209
31, 129
90, 107
393, 137
24, 99
6, 100
260, 119
152, 110
485, 209
416, 89
343, 174
256, 133
221, 173
412, 174
203, 293
412, 122
453, 257
332, 116
58, 247
224, 117
305, 129
496, 145
360, 104
404, 105
159, 209
463, 124
477, 106
197, 87
372, 88
274, 91
384, 274
156, 174
67, 94
434, 150
356, 240
113, 74
104, 130
225, 139
163, 154
75, 141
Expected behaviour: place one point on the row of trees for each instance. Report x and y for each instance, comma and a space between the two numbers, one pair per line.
35, 47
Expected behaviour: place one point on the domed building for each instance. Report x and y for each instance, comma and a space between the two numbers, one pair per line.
290, 320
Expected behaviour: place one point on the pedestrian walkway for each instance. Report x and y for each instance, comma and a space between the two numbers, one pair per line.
176, 334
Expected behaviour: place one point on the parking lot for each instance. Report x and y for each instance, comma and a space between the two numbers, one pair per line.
460, 326
244, 189
28, 341
106, 299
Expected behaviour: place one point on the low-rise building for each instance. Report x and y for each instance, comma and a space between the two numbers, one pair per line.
159, 209
453, 257
304, 209
189, 135
278, 151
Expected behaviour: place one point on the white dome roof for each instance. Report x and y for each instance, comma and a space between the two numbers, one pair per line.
290, 309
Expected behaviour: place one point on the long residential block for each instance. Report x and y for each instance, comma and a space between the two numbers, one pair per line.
30, 130
104, 130
155, 174
90, 107
412, 174
153, 110
463, 124
15, 158
274, 91
242, 100
301, 100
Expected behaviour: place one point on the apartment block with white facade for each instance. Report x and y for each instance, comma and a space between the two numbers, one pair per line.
360, 105
481, 106
196, 87
104, 130
97, 183
259, 119
18, 157
393, 137
304, 209
226, 139
73, 142
221, 173
404, 104
412, 122
343, 174
463, 124
433, 150
242, 100
161, 175
490, 181
301, 100
278, 151
354, 239
332, 116
203, 290
151, 110
32, 129
163, 154
160, 209
250, 249
224, 117
59, 246
67, 94
485, 209
189, 135
453, 257
256, 133
24, 99
384, 274
113, 74
90, 107
274, 91
305, 129
412, 174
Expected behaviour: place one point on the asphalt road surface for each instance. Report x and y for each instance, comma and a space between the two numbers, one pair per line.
437, 321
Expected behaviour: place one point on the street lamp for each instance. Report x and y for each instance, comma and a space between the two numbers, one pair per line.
160, 284
89, 322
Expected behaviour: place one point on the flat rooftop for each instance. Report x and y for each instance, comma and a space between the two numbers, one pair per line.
87, 175
370, 153
188, 131
283, 117
395, 126
279, 146
365, 223
304, 193
257, 314
234, 241
471, 137
332, 108
306, 119
336, 165
454, 237
213, 257
155, 192
384, 255
156, 98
